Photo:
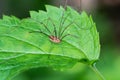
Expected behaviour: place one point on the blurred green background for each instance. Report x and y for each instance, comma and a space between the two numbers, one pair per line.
106, 15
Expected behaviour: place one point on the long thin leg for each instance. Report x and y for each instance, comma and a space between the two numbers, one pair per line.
15, 27
55, 31
80, 9
45, 27
65, 5
60, 26
68, 35
83, 28
39, 32
66, 28
62, 23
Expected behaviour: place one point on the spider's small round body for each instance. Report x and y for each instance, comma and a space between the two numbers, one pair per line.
54, 39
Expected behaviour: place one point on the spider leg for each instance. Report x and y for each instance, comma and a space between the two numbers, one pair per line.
68, 35
65, 5
45, 27
80, 6
55, 30
82, 28
66, 28
63, 21
39, 32
14, 27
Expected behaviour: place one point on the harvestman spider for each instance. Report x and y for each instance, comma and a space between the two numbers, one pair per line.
58, 35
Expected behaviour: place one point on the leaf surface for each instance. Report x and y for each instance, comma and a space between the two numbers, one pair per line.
23, 44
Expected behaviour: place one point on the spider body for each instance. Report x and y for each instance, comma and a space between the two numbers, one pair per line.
54, 39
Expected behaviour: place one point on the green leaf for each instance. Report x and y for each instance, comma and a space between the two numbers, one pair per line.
24, 46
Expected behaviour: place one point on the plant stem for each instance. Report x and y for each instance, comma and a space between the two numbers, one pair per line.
100, 76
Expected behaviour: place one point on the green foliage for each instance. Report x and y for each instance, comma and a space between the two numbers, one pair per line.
24, 46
